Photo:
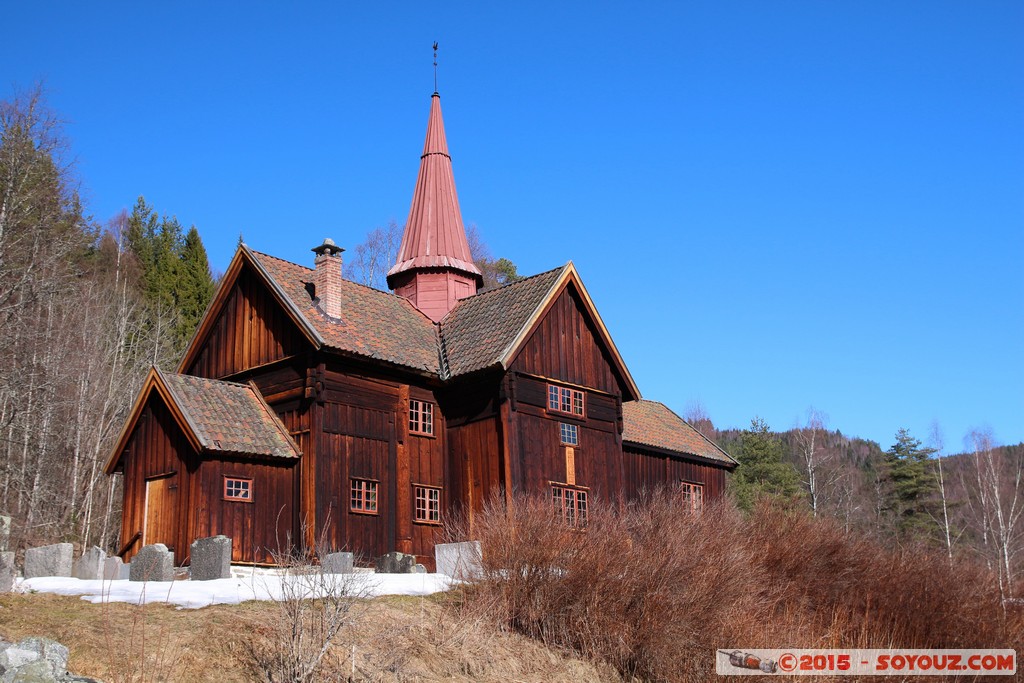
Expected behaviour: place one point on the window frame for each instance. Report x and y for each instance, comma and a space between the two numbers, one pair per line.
361, 495
236, 498
570, 509
430, 506
423, 422
692, 494
567, 401
564, 427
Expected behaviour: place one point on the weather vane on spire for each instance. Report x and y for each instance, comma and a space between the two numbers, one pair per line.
435, 66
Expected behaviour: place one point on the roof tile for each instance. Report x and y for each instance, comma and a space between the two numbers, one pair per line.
229, 417
479, 330
374, 324
651, 423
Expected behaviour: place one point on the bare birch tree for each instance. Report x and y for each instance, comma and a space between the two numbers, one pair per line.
997, 501
814, 457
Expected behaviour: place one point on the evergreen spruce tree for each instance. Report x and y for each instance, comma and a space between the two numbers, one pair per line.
762, 470
174, 275
194, 287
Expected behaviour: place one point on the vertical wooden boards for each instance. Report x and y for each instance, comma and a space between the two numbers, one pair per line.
251, 329
158, 451
566, 345
647, 471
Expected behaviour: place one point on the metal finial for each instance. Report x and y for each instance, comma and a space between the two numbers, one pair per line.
435, 66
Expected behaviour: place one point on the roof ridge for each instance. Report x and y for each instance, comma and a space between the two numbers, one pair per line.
478, 295
207, 379
278, 258
343, 279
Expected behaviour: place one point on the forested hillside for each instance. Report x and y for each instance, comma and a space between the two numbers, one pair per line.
86, 308
968, 505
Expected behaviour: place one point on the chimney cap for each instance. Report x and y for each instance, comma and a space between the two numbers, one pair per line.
328, 247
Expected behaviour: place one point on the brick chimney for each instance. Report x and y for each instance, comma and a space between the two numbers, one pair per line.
327, 278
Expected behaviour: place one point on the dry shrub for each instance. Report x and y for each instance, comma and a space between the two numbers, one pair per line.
653, 590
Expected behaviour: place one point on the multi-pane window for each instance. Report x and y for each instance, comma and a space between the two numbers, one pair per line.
238, 489
565, 400
428, 504
421, 417
569, 434
364, 496
693, 496
570, 505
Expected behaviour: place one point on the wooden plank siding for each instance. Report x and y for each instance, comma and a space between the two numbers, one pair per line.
257, 529
646, 472
363, 432
251, 330
157, 449
597, 457
565, 345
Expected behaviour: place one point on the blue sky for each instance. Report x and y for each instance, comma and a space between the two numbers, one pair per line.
775, 205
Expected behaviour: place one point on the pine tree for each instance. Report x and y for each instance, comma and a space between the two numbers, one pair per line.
762, 470
911, 485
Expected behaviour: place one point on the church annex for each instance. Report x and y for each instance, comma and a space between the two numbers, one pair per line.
310, 407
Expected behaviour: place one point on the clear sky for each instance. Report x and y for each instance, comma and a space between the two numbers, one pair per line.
774, 205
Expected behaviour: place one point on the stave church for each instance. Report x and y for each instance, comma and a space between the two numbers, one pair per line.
311, 409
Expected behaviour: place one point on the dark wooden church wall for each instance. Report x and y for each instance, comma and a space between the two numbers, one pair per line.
427, 464
598, 456
476, 466
257, 529
647, 472
356, 437
565, 346
157, 449
251, 330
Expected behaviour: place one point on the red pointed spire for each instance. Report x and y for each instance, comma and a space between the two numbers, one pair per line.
434, 254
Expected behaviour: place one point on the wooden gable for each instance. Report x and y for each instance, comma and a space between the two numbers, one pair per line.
567, 341
245, 327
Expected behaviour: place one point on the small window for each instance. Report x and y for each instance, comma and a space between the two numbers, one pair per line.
570, 505
421, 417
569, 434
238, 489
693, 496
364, 496
565, 400
428, 504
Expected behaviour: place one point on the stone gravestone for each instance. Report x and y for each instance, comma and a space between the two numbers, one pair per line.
49, 560
396, 563
5, 532
459, 560
90, 565
113, 569
211, 558
152, 563
338, 563
7, 571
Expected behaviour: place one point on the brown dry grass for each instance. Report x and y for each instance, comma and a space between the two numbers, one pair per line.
398, 639
654, 592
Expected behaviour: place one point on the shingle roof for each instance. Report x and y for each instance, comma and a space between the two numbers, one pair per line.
229, 417
479, 330
434, 236
374, 324
651, 423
